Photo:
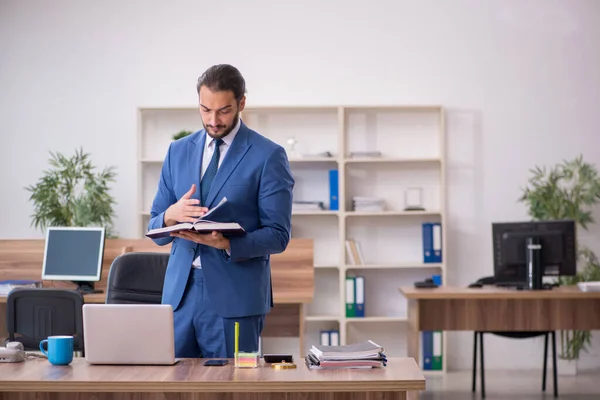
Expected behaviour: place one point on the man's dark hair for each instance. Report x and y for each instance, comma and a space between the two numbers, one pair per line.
223, 77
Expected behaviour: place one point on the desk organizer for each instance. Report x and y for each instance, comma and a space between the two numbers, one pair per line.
246, 360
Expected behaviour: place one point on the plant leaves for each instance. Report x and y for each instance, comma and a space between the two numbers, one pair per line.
71, 193
569, 190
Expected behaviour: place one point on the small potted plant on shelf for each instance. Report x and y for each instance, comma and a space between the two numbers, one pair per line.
71, 193
569, 190
181, 134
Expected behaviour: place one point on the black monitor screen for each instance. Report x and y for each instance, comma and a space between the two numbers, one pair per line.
73, 254
558, 248
553, 254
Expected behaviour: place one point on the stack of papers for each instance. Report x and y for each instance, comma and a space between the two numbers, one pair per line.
308, 206
367, 203
359, 355
593, 286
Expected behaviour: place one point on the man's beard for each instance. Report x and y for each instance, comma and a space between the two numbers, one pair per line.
225, 132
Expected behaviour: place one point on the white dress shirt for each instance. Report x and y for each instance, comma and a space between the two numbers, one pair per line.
209, 149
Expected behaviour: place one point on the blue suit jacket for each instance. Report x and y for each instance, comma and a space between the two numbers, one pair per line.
256, 179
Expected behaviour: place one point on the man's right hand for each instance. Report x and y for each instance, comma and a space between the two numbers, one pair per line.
185, 210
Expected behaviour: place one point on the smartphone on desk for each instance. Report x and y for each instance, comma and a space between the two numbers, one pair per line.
215, 363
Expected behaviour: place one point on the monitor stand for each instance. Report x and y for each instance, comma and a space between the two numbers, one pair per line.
86, 287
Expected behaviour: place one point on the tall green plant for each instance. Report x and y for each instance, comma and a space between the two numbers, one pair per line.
569, 190
73, 194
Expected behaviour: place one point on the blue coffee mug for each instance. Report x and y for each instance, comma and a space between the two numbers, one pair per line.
60, 349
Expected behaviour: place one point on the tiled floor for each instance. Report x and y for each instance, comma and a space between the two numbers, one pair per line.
522, 385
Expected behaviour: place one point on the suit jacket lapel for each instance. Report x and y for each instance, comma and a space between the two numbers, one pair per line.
234, 155
195, 153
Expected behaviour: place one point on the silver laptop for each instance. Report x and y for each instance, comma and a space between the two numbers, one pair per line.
140, 334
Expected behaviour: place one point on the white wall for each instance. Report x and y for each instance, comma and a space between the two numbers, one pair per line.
520, 80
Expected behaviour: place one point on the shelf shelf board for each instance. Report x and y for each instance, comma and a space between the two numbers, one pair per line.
309, 159
415, 265
170, 108
383, 107
305, 107
310, 212
151, 161
322, 318
389, 213
326, 266
376, 319
289, 108
349, 213
291, 160
354, 160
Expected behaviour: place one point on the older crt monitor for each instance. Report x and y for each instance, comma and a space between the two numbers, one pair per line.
74, 254
524, 252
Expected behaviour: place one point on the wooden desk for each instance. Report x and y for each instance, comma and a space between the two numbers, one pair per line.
498, 309
189, 379
292, 272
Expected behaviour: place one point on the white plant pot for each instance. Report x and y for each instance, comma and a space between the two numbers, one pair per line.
564, 367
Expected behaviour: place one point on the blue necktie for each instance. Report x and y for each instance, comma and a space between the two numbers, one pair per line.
211, 171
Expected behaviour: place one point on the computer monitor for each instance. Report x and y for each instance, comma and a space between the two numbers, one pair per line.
524, 252
74, 254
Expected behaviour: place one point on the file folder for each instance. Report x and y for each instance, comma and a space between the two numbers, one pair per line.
334, 338
437, 351
325, 338
427, 347
350, 297
432, 242
330, 338
333, 190
359, 296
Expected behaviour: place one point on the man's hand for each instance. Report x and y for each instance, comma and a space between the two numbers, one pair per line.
185, 210
214, 239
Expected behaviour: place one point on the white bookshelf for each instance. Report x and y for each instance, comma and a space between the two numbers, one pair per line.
411, 140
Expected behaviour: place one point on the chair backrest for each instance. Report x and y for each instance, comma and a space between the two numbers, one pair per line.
137, 278
33, 314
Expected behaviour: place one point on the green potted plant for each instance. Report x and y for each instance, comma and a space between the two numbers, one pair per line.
181, 134
71, 193
569, 190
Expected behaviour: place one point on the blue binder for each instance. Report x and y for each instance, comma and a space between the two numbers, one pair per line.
432, 242
427, 337
334, 196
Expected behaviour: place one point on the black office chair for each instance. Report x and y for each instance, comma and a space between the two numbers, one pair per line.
512, 335
34, 314
137, 278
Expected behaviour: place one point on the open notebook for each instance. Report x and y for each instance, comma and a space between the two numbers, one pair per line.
202, 225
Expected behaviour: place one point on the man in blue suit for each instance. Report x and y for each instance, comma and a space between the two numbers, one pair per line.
213, 281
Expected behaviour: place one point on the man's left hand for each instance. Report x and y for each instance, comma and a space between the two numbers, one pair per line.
214, 239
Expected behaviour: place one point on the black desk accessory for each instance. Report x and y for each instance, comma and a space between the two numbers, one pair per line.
215, 363
278, 358
426, 284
